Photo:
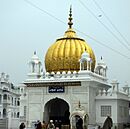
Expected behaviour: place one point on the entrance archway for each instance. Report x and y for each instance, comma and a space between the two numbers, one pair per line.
57, 110
79, 117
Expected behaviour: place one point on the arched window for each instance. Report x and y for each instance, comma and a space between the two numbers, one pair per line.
21, 90
14, 114
17, 114
8, 97
5, 96
4, 112
12, 100
0, 99
33, 67
18, 103
15, 101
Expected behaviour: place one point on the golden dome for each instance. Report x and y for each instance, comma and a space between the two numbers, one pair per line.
65, 53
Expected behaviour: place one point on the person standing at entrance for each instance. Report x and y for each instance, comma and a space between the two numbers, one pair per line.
79, 123
56, 124
108, 123
22, 126
51, 125
44, 125
39, 125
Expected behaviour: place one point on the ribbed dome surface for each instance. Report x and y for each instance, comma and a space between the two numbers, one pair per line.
65, 53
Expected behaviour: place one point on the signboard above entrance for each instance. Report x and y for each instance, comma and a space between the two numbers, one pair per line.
54, 89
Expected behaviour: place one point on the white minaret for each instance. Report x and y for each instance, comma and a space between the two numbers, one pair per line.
115, 86
85, 62
35, 67
101, 68
126, 89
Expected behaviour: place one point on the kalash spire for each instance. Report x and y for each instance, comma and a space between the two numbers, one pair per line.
70, 23
65, 53
70, 32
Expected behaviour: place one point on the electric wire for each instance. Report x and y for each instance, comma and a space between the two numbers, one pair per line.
46, 12
111, 23
124, 45
102, 44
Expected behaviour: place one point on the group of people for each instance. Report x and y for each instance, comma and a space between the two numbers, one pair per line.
79, 124
44, 125
107, 124
40, 125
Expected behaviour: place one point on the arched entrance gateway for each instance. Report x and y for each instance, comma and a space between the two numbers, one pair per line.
79, 118
57, 110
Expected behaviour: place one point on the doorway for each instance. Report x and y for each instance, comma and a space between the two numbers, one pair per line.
57, 110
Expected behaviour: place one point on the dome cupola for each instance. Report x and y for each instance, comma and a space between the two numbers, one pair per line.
65, 53
35, 67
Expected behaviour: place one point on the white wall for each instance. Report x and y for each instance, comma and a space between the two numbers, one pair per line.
92, 105
123, 111
119, 111
34, 105
14, 123
39, 96
106, 102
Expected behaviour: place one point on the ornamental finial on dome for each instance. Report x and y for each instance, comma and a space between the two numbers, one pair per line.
79, 105
101, 57
34, 52
70, 23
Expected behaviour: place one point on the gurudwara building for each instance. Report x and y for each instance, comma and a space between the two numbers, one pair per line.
73, 85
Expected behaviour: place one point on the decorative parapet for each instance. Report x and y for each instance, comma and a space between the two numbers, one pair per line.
66, 76
104, 94
80, 74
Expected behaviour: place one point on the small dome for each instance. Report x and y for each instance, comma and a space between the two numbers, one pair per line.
74, 72
101, 63
35, 59
63, 72
58, 73
47, 73
85, 56
69, 72
52, 73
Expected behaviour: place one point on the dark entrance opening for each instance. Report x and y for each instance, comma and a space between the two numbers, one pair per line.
57, 110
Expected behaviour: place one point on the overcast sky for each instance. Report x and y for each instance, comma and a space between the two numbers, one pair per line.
25, 29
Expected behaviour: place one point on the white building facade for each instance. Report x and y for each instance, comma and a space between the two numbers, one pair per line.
72, 85
9, 103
